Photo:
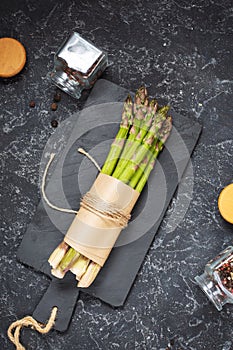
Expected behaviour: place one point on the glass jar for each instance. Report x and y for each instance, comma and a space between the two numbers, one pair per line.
77, 65
217, 279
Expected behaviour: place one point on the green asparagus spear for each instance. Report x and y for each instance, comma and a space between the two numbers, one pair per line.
142, 150
120, 138
140, 110
160, 144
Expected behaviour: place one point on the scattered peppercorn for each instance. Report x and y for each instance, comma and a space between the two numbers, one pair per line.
57, 97
172, 342
54, 106
32, 104
54, 123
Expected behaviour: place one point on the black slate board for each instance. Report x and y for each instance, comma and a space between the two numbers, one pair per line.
73, 176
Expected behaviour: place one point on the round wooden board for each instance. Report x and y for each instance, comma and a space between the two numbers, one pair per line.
225, 203
12, 57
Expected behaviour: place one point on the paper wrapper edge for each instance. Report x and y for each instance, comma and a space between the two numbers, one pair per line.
92, 235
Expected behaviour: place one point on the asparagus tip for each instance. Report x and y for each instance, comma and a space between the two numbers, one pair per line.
166, 129
152, 103
141, 95
164, 109
146, 101
128, 99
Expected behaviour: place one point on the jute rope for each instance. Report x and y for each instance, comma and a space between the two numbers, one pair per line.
51, 205
28, 321
111, 212
81, 150
89, 201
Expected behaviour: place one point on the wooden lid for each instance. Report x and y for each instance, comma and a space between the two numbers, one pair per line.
12, 57
225, 203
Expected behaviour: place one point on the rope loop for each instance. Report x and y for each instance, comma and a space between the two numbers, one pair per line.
15, 328
51, 205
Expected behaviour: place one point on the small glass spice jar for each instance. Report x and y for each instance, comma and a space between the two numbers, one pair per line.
77, 65
217, 279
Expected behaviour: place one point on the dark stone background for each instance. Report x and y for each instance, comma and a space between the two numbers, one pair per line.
182, 51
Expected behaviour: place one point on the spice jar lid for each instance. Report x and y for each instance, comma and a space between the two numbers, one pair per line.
225, 203
12, 58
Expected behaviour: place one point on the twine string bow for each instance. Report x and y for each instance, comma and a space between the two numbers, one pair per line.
28, 321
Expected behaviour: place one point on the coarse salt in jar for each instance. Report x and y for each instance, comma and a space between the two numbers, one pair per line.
77, 65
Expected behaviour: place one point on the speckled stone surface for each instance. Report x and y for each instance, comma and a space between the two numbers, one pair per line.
182, 50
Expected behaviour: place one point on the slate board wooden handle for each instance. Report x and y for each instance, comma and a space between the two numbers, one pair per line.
60, 293
42, 236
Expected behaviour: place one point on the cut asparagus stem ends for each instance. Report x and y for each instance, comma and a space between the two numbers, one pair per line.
69, 258
58, 254
80, 266
58, 273
90, 275
73, 261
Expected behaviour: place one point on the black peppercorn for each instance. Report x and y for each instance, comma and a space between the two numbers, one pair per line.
32, 104
54, 106
57, 97
54, 123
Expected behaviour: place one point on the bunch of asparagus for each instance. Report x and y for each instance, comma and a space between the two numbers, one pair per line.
143, 132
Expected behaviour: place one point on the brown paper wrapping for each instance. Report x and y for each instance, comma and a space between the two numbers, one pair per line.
94, 235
